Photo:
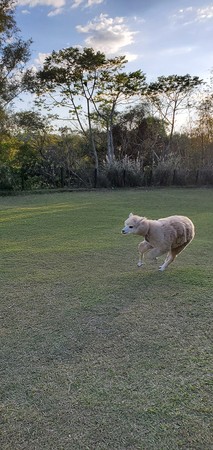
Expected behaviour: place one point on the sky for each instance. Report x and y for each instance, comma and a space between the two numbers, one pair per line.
160, 37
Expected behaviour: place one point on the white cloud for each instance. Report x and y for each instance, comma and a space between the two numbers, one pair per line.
205, 13
85, 4
77, 3
130, 56
93, 2
55, 12
190, 15
107, 34
39, 61
25, 11
33, 3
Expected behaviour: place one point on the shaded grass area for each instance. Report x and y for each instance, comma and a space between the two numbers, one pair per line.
96, 353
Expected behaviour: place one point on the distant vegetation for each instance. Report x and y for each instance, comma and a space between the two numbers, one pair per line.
121, 130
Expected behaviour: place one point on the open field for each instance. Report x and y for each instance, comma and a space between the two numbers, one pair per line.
96, 353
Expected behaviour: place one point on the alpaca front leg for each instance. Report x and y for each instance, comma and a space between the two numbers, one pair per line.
143, 247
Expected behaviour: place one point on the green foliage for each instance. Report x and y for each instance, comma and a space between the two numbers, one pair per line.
169, 95
6, 178
7, 21
174, 85
14, 54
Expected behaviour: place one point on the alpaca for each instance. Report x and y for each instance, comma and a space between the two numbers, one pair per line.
168, 235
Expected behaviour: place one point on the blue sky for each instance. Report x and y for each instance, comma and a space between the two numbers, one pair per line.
160, 37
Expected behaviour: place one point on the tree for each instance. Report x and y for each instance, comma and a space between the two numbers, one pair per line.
139, 135
116, 88
14, 54
7, 22
203, 130
34, 128
86, 82
169, 95
68, 79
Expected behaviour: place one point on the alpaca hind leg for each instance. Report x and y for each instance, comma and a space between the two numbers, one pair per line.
171, 256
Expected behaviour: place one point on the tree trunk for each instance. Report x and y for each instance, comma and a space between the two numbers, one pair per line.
92, 141
110, 146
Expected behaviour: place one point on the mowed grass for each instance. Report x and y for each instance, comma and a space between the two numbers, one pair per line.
96, 353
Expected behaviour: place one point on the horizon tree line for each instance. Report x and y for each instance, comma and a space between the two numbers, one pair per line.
112, 115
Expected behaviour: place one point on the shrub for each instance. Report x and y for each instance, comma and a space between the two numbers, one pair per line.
7, 179
124, 173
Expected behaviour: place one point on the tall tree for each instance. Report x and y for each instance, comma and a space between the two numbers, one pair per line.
84, 82
68, 79
14, 54
116, 88
169, 95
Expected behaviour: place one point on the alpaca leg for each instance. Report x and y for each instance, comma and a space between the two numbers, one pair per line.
143, 248
172, 255
155, 252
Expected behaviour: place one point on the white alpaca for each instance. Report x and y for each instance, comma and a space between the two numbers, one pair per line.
168, 235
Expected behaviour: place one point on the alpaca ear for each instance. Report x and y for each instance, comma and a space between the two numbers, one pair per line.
130, 215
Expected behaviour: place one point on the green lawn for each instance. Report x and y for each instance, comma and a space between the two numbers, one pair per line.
96, 353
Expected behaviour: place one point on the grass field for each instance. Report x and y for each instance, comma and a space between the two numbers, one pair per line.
96, 353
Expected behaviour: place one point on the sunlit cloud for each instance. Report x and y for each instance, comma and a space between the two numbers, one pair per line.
107, 34
33, 3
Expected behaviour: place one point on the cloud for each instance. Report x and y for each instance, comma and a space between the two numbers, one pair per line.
204, 14
32, 3
107, 34
77, 3
25, 11
190, 15
39, 61
175, 51
86, 4
131, 56
93, 2
55, 12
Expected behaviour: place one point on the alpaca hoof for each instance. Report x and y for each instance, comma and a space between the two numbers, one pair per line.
139, 264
